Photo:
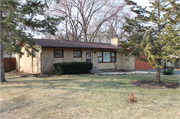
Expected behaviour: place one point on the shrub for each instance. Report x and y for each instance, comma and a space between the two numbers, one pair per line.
72, 67
168, 72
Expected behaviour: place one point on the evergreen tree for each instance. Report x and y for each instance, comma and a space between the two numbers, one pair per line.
19, 20
154, 33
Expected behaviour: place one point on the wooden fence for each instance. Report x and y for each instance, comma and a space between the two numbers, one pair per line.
9, 64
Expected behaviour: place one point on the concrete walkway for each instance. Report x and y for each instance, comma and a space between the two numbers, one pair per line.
176, 71
147, 71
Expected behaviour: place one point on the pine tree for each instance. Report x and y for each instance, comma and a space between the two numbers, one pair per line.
19, 20
154, 33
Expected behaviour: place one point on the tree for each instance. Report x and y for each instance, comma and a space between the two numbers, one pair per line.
86, 17
154, 33
2, 64
19, 20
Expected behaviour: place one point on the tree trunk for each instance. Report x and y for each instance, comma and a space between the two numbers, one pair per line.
85, 36
2, 63
158, 75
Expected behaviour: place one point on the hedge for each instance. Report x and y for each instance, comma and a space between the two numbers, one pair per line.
72, 67
168, 72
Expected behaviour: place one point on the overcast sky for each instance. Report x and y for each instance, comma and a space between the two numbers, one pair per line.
142, 2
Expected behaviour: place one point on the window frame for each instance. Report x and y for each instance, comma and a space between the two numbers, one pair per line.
33, 53
100, 56
77, 56
110, 57
113, 56
62, 53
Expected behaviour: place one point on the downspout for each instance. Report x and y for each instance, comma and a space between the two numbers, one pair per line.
41, 60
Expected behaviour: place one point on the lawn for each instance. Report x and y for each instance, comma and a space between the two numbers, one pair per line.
86, 96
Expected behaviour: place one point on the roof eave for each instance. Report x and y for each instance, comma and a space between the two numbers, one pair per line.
78, 47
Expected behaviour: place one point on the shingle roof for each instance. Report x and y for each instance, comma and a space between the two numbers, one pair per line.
47, 43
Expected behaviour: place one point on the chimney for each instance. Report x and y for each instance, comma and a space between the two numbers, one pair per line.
114, 40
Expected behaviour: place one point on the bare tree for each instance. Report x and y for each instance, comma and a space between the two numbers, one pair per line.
84, 18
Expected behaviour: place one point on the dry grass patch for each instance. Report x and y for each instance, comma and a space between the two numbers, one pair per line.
86, 96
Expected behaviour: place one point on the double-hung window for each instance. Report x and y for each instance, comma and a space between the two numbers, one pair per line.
106, 56
58, 53
77, 53
100, 56
113, 56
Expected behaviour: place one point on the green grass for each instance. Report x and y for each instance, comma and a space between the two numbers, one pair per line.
86, 96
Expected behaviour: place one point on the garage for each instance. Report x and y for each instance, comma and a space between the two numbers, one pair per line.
139, 65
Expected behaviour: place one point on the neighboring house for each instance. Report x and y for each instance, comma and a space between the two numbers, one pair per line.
6, 55
103, 56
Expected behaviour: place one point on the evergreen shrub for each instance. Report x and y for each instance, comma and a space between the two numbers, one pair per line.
168, 72
72, 67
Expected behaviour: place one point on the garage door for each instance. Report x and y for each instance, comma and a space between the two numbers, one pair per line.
139, 65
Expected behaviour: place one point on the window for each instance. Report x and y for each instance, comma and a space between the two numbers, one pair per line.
34, 53
113, 56
58, 53
99, 56
106, 56
77, 53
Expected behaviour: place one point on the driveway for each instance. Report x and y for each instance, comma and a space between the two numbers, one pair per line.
146, 71
154, 70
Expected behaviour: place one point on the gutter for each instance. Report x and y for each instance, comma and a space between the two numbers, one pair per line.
118, 48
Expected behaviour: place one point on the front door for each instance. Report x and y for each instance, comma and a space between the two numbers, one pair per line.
88, 56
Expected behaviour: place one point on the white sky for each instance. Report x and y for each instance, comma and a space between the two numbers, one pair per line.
142, 2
